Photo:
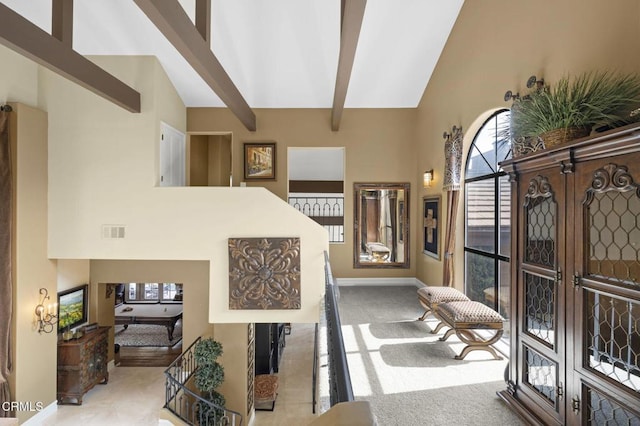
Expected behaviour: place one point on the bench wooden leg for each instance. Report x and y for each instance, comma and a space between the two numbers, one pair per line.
448, 334
424, 315
476, 343
439, 327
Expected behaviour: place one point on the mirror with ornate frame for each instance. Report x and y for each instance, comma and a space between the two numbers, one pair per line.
381, 225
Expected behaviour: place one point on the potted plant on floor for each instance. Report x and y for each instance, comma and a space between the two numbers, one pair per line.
208, 377
574, 106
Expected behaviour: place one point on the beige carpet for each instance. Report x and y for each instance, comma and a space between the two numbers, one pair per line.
409, 377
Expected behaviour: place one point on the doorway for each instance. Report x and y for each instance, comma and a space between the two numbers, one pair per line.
210, 159
316, 187
147, 324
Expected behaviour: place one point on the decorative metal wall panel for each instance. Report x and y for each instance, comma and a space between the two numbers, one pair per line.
541, 374
540, 300
540, 208
612, 343
264, 273
612, 212
604, 411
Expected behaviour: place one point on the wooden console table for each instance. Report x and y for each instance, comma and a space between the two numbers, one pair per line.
81, 364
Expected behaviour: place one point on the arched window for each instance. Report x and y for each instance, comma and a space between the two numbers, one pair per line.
487, 219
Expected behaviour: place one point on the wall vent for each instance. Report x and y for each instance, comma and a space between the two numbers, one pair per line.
112, 231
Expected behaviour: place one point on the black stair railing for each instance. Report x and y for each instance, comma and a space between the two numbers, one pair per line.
183, 402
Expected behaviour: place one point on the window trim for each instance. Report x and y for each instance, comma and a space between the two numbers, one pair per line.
495, 256
140, 290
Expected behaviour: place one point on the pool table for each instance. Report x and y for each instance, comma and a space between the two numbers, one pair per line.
166, 314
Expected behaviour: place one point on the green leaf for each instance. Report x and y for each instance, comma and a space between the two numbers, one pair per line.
591, 99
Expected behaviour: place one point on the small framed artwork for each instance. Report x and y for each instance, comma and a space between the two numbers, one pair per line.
431, 226
260, 161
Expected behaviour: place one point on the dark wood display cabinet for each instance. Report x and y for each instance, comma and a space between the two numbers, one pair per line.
575, 282
82, 363
269, 344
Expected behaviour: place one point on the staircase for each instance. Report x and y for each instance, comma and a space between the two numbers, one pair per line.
187, 405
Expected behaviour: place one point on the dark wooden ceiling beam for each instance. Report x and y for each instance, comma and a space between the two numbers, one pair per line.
173, 22
62, 21
20, 35
352, 12
203, 19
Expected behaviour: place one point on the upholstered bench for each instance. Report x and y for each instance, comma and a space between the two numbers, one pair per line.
465, 316
265, 390
431, 296
378, 251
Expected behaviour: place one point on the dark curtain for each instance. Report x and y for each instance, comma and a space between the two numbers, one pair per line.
452, 176
6, 296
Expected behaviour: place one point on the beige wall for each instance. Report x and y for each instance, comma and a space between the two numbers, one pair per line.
72, 273
198, 160
97, 149
33, 353
18, 78
209, 160
104, 170
379, 147
494, 47
96, 164
233, 338
219, 160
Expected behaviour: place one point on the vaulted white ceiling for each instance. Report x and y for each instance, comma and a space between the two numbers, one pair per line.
279, 53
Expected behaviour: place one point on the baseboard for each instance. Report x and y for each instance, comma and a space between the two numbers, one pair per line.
39, 418
111, 365
420, 283
402, 281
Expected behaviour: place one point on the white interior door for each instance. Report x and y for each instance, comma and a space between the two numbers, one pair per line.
172, 156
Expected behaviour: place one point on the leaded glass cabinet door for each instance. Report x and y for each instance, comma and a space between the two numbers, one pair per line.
606, 292
541, 341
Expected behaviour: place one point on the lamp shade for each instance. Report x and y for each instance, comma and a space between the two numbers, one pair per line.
427, 177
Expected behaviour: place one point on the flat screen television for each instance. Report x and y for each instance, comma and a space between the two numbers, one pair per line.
73, 307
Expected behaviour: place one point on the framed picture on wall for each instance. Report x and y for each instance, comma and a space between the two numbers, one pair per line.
260, 161
431, 226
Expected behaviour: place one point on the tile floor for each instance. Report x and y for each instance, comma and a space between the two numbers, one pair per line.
294, 402
134, 395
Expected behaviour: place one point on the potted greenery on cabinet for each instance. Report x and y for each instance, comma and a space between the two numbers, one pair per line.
208, 377
574, 106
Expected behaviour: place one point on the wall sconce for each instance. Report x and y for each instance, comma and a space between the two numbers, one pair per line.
427, 178
46, 318
508, 96
455, 131
533, 81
